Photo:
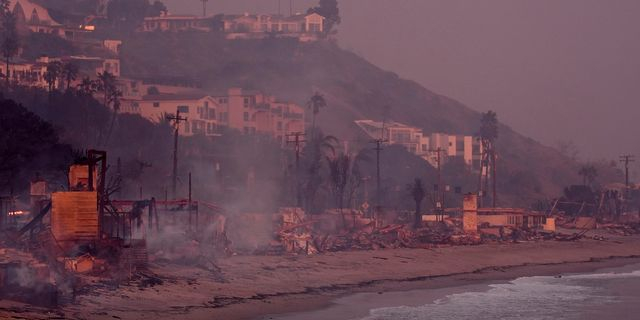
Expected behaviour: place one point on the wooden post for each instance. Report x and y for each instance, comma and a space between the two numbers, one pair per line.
189, 201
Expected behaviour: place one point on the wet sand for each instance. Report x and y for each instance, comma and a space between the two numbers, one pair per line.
256, 286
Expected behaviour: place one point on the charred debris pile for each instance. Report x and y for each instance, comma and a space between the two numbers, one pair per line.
65, 243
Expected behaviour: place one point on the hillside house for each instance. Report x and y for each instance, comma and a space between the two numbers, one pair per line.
248, 112
257, 113
201, 111
424, 145
175, 23
33, 17
29, 74
305, 27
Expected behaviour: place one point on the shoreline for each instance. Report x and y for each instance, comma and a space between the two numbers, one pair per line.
454, 283
261, 287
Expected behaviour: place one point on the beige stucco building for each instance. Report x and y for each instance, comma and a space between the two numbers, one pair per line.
305, 27
247, 111
175, 23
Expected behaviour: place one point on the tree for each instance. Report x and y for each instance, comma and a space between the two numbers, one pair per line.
340, 171
87, 87
10, 41
588, 173
53, 74
111, 98
129, 14
153, 90
418, 194
315, 103
488, 135
330, 11
315, 150
489, 126
69, 73
27, 144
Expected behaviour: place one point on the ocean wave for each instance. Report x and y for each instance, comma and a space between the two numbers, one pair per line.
529, 298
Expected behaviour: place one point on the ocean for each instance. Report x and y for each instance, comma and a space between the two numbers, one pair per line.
605, 294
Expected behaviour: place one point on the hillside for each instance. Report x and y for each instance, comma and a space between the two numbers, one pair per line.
354, 88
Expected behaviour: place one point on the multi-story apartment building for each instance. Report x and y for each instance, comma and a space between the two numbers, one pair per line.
255, 112
423, 145
248, 112
200, 110
397, 133
468, 148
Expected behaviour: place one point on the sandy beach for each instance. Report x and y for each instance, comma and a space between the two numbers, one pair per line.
252, 287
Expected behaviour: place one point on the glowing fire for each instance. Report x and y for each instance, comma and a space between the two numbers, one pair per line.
17, 213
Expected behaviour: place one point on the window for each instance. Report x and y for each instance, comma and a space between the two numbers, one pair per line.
246, 102
212, 114
206, 104
314, 27
183, 109
156, 104
246, 116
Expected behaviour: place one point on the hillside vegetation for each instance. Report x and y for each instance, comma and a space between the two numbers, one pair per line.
354, 88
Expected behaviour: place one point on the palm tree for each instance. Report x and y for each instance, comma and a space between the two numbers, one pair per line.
489, 126
418, 194
107, 84
69, 73
317, 148
85, 91
316, 103
52, 75
588, 173
340, 172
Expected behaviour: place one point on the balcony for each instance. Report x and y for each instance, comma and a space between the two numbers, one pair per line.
292, 115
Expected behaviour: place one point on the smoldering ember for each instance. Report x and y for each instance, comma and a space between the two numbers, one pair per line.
200, 159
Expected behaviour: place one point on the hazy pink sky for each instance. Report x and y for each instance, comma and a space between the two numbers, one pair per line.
553, 70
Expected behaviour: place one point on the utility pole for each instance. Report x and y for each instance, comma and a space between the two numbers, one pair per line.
495, 174
290, 7
626, 159
297, 141
378, 148
204, 7
176, 119
488, 171
440, 194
